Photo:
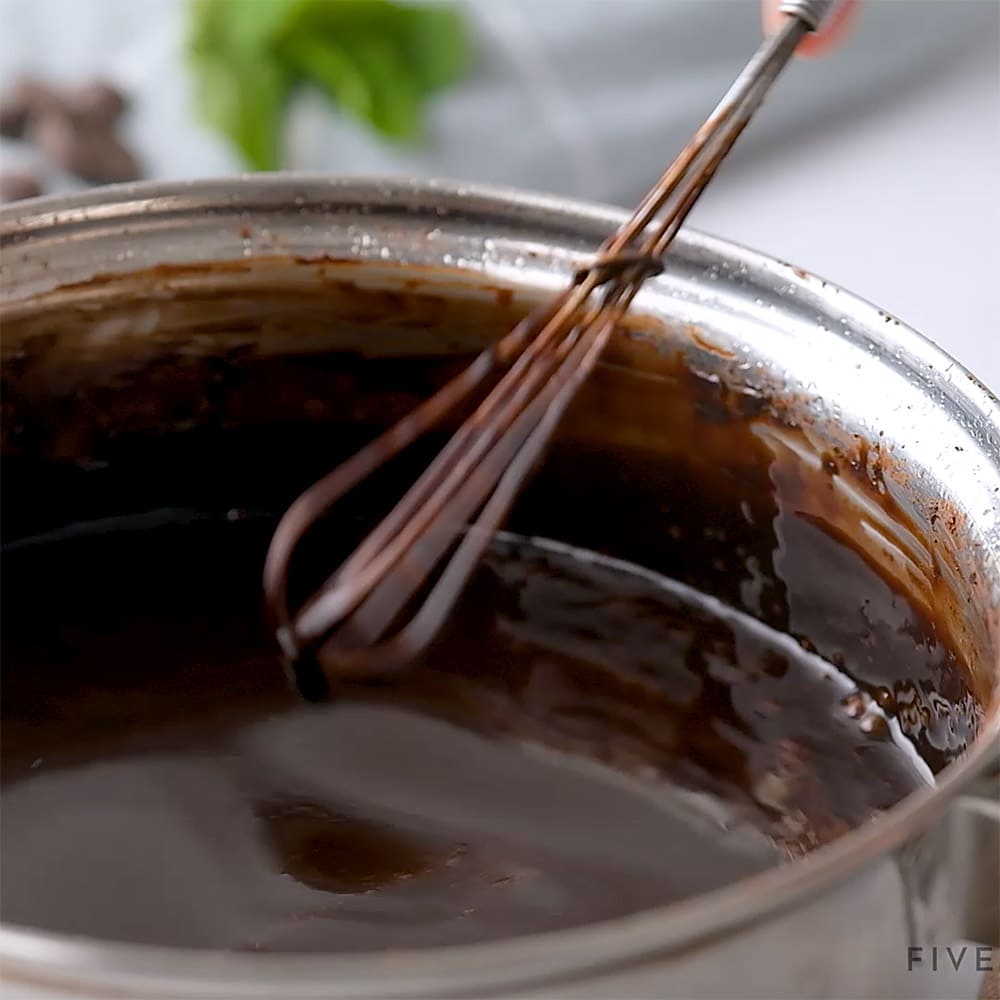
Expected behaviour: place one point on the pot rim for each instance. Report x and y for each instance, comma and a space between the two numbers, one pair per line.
434, 971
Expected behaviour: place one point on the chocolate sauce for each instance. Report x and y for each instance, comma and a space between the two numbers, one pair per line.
591, 736
586, 740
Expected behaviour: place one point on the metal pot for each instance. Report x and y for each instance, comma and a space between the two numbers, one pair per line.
841, 921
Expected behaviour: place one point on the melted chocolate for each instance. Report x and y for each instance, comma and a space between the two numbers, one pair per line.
586, 740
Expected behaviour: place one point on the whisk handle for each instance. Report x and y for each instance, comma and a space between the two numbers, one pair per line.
811, 12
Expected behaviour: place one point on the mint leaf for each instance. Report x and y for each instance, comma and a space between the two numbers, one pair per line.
374, 59
329, 65
367, 79
436, 43
239, 95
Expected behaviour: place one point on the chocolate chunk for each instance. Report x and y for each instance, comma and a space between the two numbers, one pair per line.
17, 187
13, 117
97, 101
93, 155
26, 98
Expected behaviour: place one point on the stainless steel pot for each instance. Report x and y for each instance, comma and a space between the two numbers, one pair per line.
838, 923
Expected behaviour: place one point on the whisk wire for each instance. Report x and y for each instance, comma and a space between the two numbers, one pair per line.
446, 518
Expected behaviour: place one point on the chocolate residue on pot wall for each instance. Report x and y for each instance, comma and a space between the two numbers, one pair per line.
224, 392
683, 471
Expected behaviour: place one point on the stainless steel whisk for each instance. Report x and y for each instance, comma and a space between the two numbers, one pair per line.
387, 600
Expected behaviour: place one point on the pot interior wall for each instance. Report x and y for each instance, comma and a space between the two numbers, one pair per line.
232, 388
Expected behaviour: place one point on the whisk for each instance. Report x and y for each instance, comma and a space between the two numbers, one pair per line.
388, 599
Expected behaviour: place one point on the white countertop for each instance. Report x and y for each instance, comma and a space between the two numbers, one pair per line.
902, 209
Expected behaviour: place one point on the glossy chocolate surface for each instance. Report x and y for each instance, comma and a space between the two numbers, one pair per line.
585, 741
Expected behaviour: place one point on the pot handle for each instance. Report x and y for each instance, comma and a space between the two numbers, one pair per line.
974, 861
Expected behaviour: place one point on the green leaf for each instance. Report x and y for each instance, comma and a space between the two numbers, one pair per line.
240, 94
329, 65
436, 44
396, 89
375, 59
